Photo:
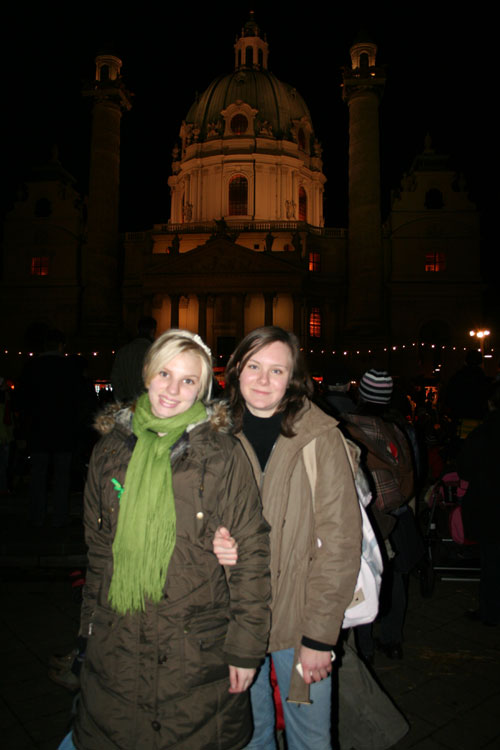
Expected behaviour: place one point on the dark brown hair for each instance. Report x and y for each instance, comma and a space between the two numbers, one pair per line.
300, 385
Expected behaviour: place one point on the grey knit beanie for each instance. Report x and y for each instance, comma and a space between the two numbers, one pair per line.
375, 387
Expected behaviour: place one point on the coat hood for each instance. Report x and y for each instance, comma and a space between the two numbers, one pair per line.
218, 416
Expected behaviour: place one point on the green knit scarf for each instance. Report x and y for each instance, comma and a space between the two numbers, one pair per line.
146, 533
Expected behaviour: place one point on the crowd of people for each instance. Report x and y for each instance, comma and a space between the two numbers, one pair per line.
218, 572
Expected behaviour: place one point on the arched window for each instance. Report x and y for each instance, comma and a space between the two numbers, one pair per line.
239, 124
238, 196
301, 139
315, 323
249, 57
302, 204
260, 56
364, 60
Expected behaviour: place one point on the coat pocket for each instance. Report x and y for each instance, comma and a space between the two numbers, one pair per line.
204, 655
101, 656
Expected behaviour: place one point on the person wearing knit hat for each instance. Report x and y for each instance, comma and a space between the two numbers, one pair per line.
388, 459
375, 387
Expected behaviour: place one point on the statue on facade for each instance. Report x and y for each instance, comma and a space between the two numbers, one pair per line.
297, 243
318, 149
173, 249
290, 209
266, 128
269, 242
187, 211
213, 129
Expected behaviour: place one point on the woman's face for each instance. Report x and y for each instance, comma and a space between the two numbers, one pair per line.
265, 377
175, 388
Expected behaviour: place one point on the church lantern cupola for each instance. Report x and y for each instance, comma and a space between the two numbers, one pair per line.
251, 49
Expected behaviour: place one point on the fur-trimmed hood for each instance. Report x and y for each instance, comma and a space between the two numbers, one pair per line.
218, 416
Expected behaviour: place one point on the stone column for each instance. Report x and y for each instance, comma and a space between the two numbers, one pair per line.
268, 310
240, 316
174, 310
202, 316
297, 316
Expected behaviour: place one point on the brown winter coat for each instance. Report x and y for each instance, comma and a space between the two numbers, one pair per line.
160, 679
312, 585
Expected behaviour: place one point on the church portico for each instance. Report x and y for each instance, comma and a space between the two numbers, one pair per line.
224, 314
222, 289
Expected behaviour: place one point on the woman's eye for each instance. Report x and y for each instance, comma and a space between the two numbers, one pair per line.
188, 381
278, 372
163, 374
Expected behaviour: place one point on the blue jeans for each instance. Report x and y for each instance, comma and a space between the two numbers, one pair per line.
305, 726
67, 743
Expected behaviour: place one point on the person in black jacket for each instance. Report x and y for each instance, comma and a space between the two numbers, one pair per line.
478, 464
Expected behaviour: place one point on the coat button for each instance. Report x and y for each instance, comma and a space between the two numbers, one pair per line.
199, 515
187, 629
156, 725
162, 659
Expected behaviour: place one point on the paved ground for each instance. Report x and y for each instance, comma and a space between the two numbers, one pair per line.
447, 685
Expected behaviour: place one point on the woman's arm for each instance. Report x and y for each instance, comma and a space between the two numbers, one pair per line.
249, 579
97, 537
240, 679
335, 563
225, 547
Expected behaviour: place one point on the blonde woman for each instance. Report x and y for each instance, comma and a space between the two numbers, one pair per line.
172, 644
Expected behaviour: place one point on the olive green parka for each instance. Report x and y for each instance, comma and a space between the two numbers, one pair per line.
160, 679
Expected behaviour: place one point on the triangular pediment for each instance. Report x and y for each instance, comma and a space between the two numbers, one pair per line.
222, 256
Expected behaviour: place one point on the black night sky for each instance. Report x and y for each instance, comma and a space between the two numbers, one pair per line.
440, 78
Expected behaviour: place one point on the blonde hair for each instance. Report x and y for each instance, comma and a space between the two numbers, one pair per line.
169, 345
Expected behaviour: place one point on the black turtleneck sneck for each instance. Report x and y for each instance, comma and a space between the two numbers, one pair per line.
262, 432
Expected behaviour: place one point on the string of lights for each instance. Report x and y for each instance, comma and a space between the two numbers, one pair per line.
346, 352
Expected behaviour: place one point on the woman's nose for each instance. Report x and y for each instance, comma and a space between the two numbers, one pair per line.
173, 386
263, 376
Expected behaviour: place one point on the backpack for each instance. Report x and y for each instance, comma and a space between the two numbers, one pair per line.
364, 605
388, 459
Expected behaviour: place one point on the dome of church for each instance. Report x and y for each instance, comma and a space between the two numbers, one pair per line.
247, 148
250, 101
278, 104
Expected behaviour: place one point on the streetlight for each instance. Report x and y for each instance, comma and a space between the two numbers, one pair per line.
481, 336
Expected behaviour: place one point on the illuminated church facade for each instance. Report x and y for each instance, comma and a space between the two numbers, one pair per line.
246, 244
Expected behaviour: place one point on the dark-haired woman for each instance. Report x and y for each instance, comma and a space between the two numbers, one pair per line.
315, 533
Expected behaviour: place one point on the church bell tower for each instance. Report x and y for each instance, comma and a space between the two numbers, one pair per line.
101, 314
363, 86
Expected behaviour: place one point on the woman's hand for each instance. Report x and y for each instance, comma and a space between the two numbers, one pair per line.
240, 679
316, 665
225, 547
